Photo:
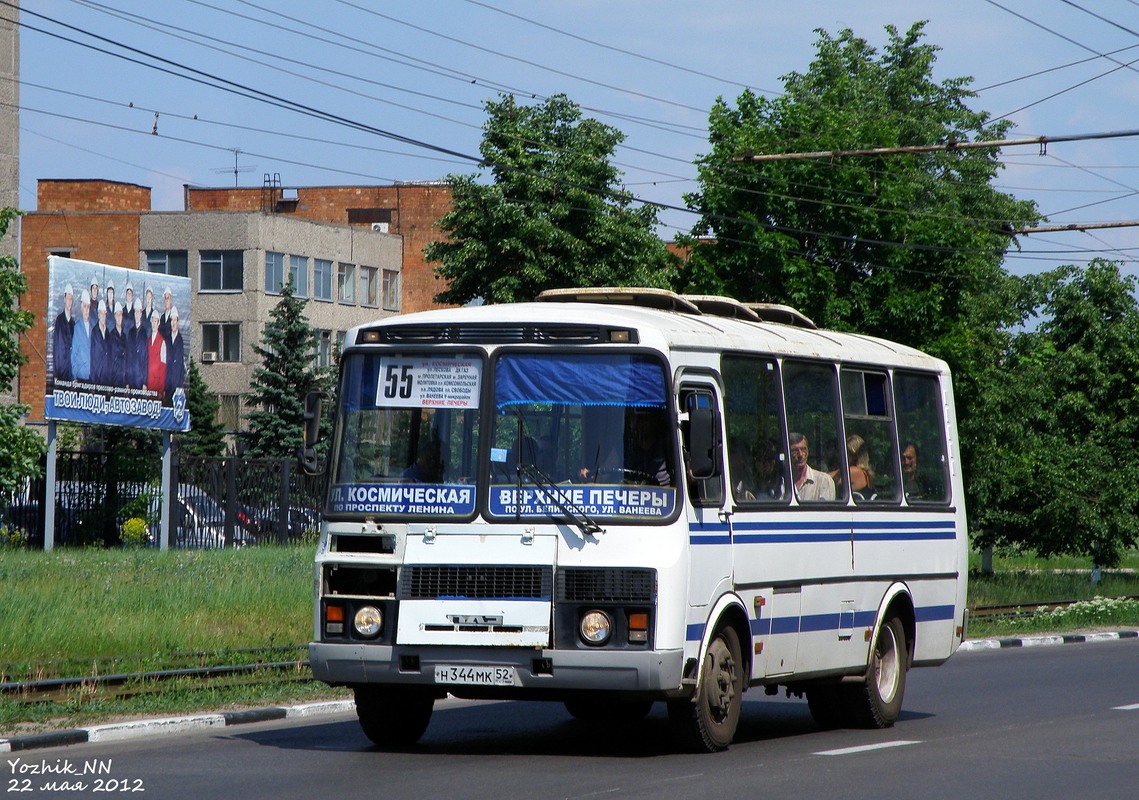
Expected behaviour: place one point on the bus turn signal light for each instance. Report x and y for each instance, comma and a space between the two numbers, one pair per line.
639, 627
334, 619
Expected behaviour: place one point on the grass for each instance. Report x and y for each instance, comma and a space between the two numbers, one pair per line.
89, 606
73, 613
1024, 580
81, 612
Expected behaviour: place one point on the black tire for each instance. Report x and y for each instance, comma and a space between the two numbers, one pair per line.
827, 705
877, 703
393, 716
708, 722
593, 709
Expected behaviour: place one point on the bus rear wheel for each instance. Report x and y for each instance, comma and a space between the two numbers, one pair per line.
710, 722
877, 703
393, 716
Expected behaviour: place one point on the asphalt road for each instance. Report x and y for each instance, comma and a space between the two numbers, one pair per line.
1040, 723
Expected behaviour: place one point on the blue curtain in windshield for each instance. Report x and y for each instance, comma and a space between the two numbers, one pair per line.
593, 380
361, 376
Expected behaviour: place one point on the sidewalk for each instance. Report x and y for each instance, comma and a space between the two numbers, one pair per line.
117, 731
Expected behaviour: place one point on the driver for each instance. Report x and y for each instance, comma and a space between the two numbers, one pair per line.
645, 455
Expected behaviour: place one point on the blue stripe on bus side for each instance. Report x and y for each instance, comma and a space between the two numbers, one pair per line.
820, 532
814, 623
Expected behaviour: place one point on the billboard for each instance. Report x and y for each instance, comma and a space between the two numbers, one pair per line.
117, 346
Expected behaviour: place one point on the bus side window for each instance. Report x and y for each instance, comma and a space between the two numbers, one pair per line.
753, 416
814, 432
921, 437
707, 491
871, 452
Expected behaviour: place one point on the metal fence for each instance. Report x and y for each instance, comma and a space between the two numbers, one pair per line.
107, 499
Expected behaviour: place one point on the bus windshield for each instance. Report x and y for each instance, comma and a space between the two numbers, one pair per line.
407, 435
587, 431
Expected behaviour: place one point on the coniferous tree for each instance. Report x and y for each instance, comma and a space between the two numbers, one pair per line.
280, 383
206, 437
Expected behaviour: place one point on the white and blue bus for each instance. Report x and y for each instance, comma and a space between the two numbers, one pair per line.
614, 497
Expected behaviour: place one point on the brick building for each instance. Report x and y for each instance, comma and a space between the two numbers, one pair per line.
356, 252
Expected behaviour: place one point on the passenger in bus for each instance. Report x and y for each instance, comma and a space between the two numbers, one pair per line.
769, 471
810, 484
861, 473
739, 461
914, 482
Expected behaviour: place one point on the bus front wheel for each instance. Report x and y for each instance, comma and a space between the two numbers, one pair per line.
877, 703
393, 716
710, 722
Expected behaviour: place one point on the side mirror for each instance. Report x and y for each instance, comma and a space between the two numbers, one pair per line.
703, 442
311, 432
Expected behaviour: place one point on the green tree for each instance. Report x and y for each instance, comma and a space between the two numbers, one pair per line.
893, 245
206, 437
281, 381
904, 246
1063, 467
552, 216
20, 445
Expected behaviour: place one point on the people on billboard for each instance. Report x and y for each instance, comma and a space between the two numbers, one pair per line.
175, 357
118, 349
109, 296
155, 356
62, 336
128, 303
137, 349
101, 348
93, 287
81, 340
164, 322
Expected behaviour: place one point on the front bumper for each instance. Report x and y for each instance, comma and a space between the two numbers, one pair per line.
537, 670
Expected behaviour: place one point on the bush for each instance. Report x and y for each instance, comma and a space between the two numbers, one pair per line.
135, 533
12, 538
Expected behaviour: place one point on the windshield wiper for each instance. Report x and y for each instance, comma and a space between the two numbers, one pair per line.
547, 484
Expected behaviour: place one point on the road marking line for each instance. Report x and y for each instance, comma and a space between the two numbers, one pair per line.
846, 751
1132, 707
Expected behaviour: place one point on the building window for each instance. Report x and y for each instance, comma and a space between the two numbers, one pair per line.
340, 337
229, 411
346, 283
323, 350
298, 271
369, 286
221, 271
322, 279
168, 262
274, 272
222, 339
391, 290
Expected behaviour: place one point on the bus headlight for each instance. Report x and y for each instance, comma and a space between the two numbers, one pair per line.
368, 621
596, 628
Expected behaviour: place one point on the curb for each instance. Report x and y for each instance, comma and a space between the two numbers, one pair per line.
117, 731
1045, 641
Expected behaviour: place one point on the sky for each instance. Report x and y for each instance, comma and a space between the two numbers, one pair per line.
235, 92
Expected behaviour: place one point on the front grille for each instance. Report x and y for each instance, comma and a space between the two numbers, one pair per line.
612, 585
495, 334
478, 582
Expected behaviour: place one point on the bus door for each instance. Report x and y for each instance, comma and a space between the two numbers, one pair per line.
710, 561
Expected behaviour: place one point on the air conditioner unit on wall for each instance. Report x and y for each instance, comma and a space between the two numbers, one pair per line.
380, 227
209, 357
